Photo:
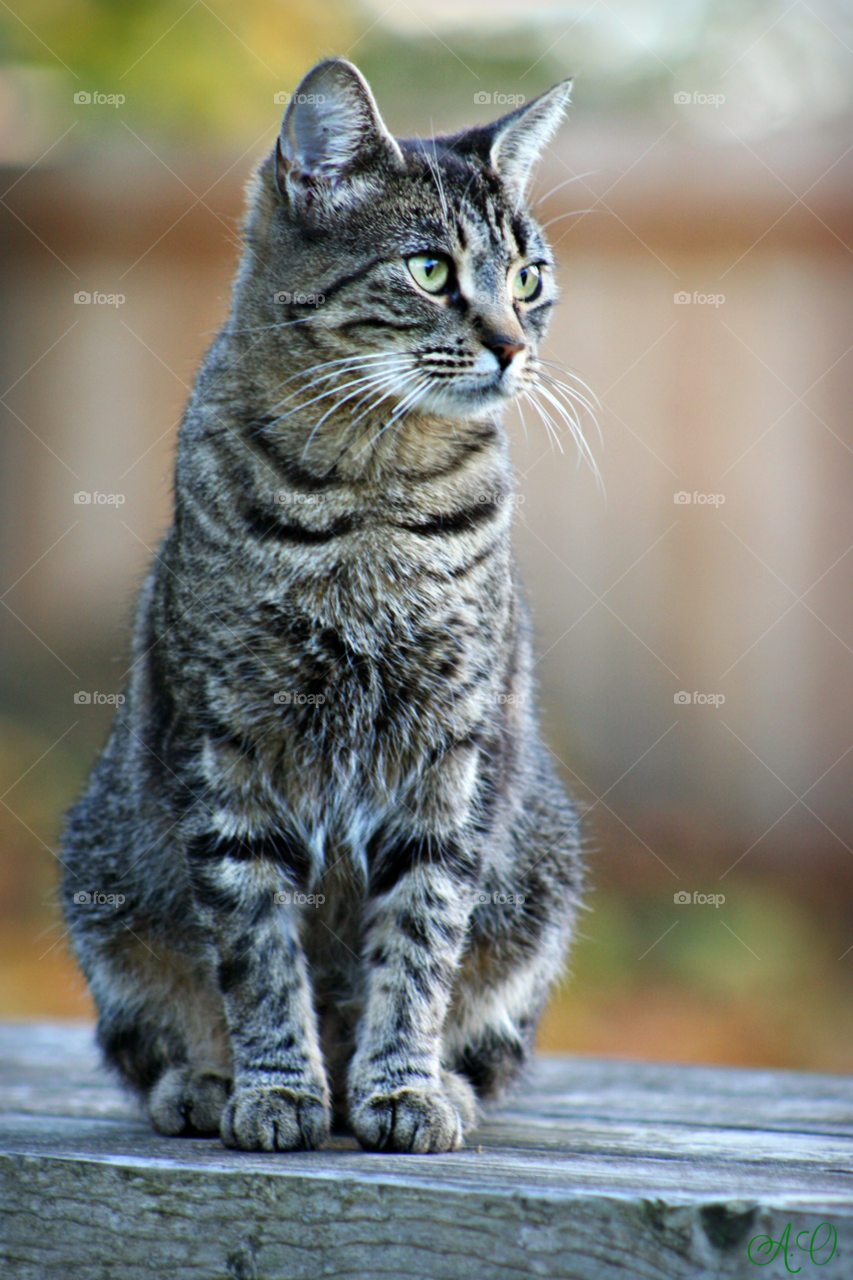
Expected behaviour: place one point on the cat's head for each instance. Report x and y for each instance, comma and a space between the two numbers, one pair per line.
409, 274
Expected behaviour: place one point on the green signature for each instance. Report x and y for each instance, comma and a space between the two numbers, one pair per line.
821, 1248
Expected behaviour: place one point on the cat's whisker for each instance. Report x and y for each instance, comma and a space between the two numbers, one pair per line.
375, 383
523, 423
572, 422
279, 324
330, 390
570, 373
549, 425
384, 384
577, 177
564, 389
347, 365
322, 396
402, 409
572, 213
436, 173
575, 398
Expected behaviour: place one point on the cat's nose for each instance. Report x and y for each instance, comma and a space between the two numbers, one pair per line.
505, 349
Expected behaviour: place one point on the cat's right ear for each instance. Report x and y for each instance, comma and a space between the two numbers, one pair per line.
331, 137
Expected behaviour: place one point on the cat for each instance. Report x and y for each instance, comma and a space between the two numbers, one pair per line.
349, 873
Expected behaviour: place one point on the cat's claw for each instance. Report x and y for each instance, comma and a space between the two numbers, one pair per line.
418, 1119
274, 1118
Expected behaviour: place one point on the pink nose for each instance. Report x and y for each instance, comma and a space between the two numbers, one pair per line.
505, 350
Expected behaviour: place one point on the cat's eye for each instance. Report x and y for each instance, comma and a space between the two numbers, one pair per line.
527, 283
430, 270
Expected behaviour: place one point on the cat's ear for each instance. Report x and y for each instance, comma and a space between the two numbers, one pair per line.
331, 134
512, 145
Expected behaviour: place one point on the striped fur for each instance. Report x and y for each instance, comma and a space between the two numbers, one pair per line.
349, 873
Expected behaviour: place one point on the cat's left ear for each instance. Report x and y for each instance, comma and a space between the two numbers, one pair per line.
513, 144
331, 134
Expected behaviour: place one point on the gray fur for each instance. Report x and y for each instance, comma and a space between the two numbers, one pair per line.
349, 873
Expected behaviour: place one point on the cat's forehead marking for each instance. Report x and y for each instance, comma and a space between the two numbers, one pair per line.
487, 245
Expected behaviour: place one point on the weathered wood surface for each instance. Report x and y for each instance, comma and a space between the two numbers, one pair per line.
597, 1170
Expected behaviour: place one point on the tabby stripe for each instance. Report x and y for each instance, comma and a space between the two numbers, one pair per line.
264, 525
329, 291
373, 322
418, 851
462, 521
280, 849
297, 477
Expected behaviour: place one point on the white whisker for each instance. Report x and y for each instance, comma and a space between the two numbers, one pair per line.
590, 173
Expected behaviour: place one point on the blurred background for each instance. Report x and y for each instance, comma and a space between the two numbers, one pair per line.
694, 615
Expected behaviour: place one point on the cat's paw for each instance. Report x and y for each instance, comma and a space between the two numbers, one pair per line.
417, 1118
274, 1118
188, 1103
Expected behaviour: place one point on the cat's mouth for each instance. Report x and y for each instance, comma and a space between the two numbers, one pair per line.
478, 387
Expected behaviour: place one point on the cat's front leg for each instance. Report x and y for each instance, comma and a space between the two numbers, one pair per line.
421, 897
280, 1098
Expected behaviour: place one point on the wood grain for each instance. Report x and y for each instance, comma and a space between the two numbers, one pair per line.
597, 1169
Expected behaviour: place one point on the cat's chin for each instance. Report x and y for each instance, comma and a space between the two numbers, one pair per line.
467, 404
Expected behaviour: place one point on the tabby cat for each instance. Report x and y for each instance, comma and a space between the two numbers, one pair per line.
349, 872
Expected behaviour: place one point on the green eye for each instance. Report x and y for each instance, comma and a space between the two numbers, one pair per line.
527, 283
430, 271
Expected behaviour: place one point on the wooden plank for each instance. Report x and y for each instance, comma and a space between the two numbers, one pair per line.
597, 1169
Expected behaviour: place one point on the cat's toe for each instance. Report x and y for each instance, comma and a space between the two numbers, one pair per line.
188, 1103
274, 1118
415, 1118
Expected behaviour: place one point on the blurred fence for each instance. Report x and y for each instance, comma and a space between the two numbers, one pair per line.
704, 302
